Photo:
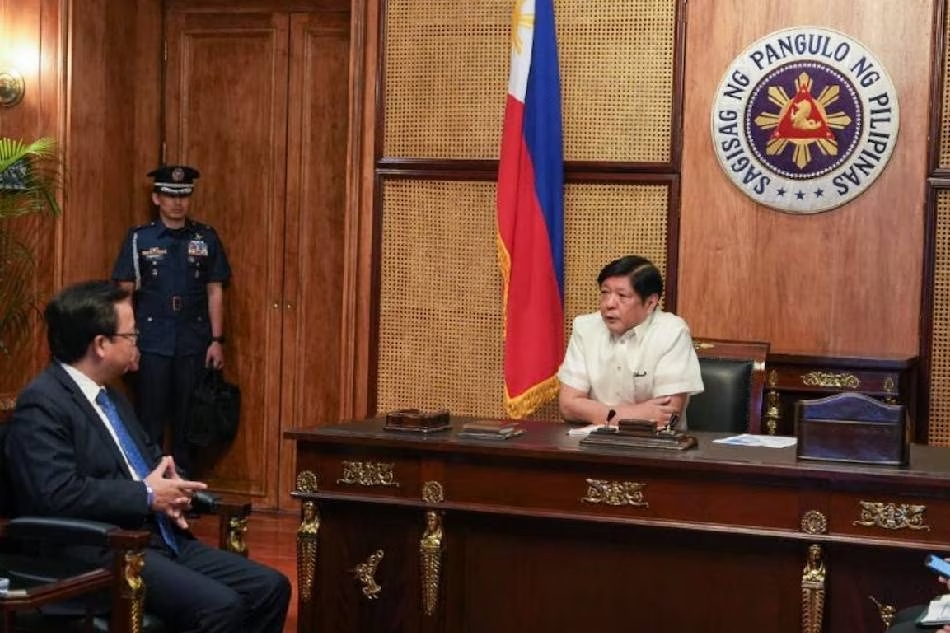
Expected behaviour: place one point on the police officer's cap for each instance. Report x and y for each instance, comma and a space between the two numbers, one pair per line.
174, 180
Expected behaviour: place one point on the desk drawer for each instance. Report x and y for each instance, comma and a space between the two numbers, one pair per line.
638, 495
899, 518
386, 474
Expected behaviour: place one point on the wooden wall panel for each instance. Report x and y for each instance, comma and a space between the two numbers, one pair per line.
113, 130
846, 281
32, 40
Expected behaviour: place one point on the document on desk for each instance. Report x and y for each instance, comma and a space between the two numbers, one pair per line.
937, 612
767, 441
583, 431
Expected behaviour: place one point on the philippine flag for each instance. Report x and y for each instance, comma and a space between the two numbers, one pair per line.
530, 212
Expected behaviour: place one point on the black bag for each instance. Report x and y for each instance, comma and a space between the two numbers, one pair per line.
214, 410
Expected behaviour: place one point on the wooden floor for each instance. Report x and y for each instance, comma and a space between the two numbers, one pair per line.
272, 540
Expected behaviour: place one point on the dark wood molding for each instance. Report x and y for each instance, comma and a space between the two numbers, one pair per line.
432, 169
679, 87
938, 179
380, 101
672, 244
936, 90
372, 374
352, 353
922, 427
251, 6
574, 171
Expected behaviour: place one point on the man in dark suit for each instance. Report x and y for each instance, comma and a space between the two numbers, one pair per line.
75, 449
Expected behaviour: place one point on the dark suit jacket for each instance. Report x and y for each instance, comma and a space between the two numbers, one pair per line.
61, 460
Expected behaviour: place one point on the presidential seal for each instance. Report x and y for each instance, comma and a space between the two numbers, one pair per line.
805, 120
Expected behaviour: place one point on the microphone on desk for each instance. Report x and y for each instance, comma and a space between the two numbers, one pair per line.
671, 425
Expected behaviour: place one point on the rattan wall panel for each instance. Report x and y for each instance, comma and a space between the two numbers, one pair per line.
940, 343
944, 154
446, 76
602, 223
440, 322
617, 79
440, 336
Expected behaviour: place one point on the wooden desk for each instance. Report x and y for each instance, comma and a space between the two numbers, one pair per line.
539, 534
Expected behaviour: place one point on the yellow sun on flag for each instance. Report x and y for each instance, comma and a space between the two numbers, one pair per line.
519, 20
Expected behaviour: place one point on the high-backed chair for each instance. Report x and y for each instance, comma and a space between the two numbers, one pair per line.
734, 380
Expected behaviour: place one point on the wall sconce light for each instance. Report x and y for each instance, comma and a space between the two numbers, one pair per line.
12, 87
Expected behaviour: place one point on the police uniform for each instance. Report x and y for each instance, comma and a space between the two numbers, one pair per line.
171, 270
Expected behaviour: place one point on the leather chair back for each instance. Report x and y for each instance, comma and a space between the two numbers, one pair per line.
734, 380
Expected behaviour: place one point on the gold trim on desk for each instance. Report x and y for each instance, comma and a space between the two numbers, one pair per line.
307, 536
892, 516
307, 482
365, 573
814, 522
813, 591
615, 493
368, 474
831, 380
430, 559
433, 492
886, 611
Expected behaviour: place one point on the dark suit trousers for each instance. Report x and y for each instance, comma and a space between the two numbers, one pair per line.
163, 386
213, 591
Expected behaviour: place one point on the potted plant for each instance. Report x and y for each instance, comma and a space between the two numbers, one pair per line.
29, 177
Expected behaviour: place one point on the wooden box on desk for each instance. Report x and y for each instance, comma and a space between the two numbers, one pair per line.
852, 427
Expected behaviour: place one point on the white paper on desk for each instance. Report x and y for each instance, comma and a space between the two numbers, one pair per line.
583, 431
748, 439
938, 611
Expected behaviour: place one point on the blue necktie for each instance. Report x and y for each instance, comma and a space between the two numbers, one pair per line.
131, 450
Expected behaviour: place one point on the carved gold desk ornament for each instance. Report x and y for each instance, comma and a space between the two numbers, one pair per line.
368, 474
307, 537
366, 572
639, 434
886, 611
892, 516
615, 493
430, 559
813, 591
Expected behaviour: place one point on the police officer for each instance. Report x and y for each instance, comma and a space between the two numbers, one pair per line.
177, 269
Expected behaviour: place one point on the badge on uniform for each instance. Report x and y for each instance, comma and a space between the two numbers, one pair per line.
156, 253
197, 248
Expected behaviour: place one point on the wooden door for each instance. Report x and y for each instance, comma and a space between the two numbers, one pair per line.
258, 101
226, 114
316, 197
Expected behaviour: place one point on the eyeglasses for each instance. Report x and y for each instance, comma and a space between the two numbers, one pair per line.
132, 336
